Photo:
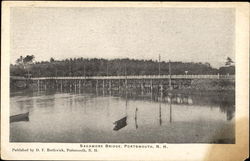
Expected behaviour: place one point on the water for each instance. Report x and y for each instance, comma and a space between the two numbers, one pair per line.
90, 117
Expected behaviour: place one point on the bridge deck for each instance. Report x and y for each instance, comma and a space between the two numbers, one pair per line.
131, 77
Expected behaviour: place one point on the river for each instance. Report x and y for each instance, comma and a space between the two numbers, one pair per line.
89, 117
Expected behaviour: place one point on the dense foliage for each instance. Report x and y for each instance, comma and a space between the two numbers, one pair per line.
114, 67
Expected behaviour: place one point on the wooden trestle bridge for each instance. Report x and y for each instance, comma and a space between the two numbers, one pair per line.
147, 83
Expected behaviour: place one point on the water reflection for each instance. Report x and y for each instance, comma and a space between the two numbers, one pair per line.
122, 117
170, 112
136, 124
227, 108
160, 121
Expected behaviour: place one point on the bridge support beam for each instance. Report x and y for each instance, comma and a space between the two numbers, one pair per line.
97, 86
110, 87
142, 88
38, 85
61, 85
79, 86
151, 88
161, 90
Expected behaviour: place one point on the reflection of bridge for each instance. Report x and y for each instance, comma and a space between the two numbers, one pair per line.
142, 82
225, 104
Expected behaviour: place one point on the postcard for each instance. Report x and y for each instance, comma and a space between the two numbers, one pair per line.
125, 81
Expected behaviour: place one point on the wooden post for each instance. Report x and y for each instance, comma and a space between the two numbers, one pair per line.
126, 84
142, 88
151, 88
41, 85
126, 80
38, 85
79, 85
170, 113
56, 84
61, 85
161, 90
136, 125
97, 86
75, 85
45, 86
119, 85
70, 85
110, 86
103, 86
160, 120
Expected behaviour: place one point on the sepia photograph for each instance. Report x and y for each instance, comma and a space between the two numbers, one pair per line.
115, 75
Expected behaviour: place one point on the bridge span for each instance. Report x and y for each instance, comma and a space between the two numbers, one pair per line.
143, 83
129, 77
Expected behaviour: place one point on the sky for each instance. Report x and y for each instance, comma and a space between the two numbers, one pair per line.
177, 34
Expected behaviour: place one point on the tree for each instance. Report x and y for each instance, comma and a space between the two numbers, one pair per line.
20, 60
98, 67
207, 64
52, 59
25, 62
229, 61
28, 59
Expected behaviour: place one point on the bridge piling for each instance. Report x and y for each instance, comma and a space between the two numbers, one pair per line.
110, 86
161, 90
142, 88
61, 85
119, 83
103, 87
97, 87
151, 88
79, 86
38, 85
45, 86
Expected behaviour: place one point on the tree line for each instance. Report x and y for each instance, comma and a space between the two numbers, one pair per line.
115, 67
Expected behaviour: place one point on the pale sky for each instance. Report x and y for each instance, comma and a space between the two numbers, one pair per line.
183, 34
